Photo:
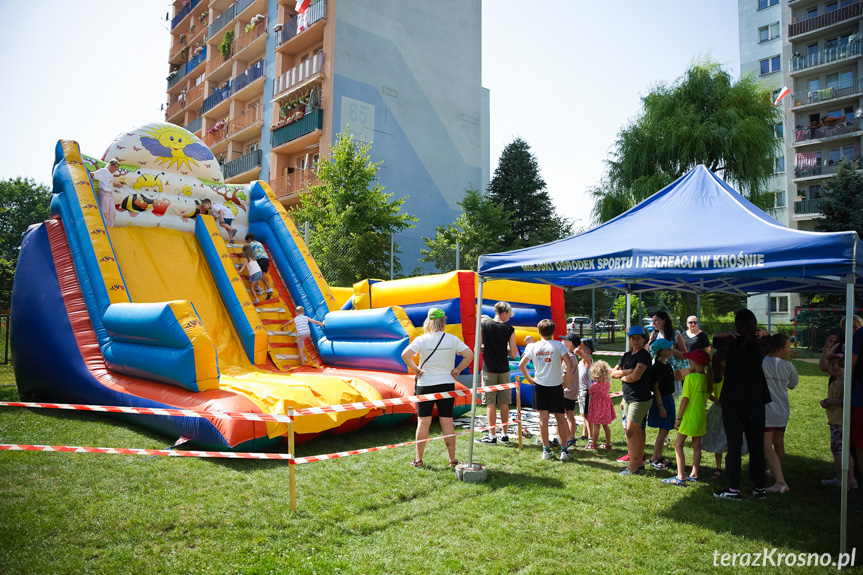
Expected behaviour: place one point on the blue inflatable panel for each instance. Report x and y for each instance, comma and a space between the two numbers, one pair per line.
373, 355
147, 323
365, 325
165, 364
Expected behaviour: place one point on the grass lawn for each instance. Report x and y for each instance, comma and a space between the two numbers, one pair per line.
88, 513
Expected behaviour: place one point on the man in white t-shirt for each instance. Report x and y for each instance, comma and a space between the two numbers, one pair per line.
548, 381
105, 177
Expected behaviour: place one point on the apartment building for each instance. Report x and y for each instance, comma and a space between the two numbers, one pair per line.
268, 88
814, 48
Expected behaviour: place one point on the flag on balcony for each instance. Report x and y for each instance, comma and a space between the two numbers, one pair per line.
302, 16
782, 93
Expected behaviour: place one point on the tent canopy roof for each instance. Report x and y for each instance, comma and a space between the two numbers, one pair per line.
697, 234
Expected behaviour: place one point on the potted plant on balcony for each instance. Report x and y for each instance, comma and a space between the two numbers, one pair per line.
831, 121
277, 27
198, 49
254, 22
227, 42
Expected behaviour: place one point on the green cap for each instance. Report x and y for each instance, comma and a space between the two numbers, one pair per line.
436, 312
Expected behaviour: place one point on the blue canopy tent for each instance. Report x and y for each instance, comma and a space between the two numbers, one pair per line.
736, 248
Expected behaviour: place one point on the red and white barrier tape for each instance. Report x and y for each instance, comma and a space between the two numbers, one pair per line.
165, 452
256, 416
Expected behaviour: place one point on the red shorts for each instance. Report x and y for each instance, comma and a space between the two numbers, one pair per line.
856, 431
769, 429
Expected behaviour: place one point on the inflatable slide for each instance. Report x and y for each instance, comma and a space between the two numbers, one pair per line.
153, 313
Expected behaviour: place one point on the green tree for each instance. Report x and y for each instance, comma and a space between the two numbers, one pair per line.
703, 118
22, 203
841, 200
518, 187
351, 215
478, 230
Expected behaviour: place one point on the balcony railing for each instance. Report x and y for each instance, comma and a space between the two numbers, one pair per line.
177, 48
299, 73
181, 73
195, 93
826, 19
833, 54
194, 125
827, 170
175, 107
314, 13
312, 121
807, 207
294, 183
250, 75
213, 138
805, 97
242, 5
220, 22
242, 164
217, 60
218, 96
244, 120
178, 17
850, 125
196, 61
248, 37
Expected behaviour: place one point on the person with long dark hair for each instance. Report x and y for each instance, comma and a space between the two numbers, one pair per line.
663, 328
744, 395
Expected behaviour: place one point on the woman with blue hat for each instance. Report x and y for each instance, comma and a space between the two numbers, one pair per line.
434, 374
633, 371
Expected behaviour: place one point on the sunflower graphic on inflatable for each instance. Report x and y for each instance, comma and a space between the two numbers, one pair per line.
174, 145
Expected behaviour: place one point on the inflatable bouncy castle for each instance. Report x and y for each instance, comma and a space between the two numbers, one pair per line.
152, 312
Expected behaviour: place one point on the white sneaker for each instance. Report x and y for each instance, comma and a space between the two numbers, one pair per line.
831, 482
565, 456
547, 454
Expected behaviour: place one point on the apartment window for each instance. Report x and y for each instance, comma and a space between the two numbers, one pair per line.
845, 3
813, 84
779, 129
814, 193
253, 147
770, 65
812, 49
840, 80
199, 80
779, 304
836, 155
770, 32
779, 199
766, 3
831, 7
779, 165
812, 12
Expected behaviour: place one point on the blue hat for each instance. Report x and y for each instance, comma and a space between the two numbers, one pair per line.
660, 344
636, 330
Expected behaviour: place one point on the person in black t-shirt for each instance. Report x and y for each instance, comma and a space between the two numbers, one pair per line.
498, 343
633, 371
693, 337
662, 411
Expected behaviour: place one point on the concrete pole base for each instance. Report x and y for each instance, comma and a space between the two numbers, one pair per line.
476, 473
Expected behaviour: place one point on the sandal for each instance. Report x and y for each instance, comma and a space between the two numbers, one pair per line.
606, 446
691, 479
778, 488
454, 463
675, 481
417, 463
717, 474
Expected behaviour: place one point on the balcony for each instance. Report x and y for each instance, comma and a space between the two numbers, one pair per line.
216, 61
216, 135
827, 19
221, 21
849, 127
253, 73
242, 5
185, 11
839, 53
832, 93
194, 125
802, 207
295, 25
178, 75
298, 74
194, 94
247, 38
312, 121
242, 164
216, 97
196, 60
245, 120
821, 171
291, 185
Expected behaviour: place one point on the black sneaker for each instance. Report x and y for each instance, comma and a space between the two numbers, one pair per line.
504, 438
727, 494
759, 493
554, 442
487, 439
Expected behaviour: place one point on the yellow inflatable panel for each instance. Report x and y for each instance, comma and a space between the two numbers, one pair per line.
206, 367
342, 295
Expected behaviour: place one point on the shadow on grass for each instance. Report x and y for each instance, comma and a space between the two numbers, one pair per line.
806, 519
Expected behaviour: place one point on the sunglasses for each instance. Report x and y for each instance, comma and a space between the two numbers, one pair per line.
692, 322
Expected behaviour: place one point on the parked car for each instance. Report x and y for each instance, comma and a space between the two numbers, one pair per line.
572, 323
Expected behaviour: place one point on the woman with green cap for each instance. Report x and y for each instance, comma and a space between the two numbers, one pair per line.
435, 373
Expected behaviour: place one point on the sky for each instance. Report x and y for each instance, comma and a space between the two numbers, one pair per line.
566, 77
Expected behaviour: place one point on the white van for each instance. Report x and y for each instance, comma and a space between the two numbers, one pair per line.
572, 323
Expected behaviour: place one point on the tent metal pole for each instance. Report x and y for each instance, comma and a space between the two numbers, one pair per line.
628, 316
698, 307
846, 413
476, 352
593, 312
769, 323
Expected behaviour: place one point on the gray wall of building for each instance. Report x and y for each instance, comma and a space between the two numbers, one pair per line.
408, 80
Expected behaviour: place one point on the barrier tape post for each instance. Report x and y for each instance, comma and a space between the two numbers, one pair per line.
292, 473
518, 408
